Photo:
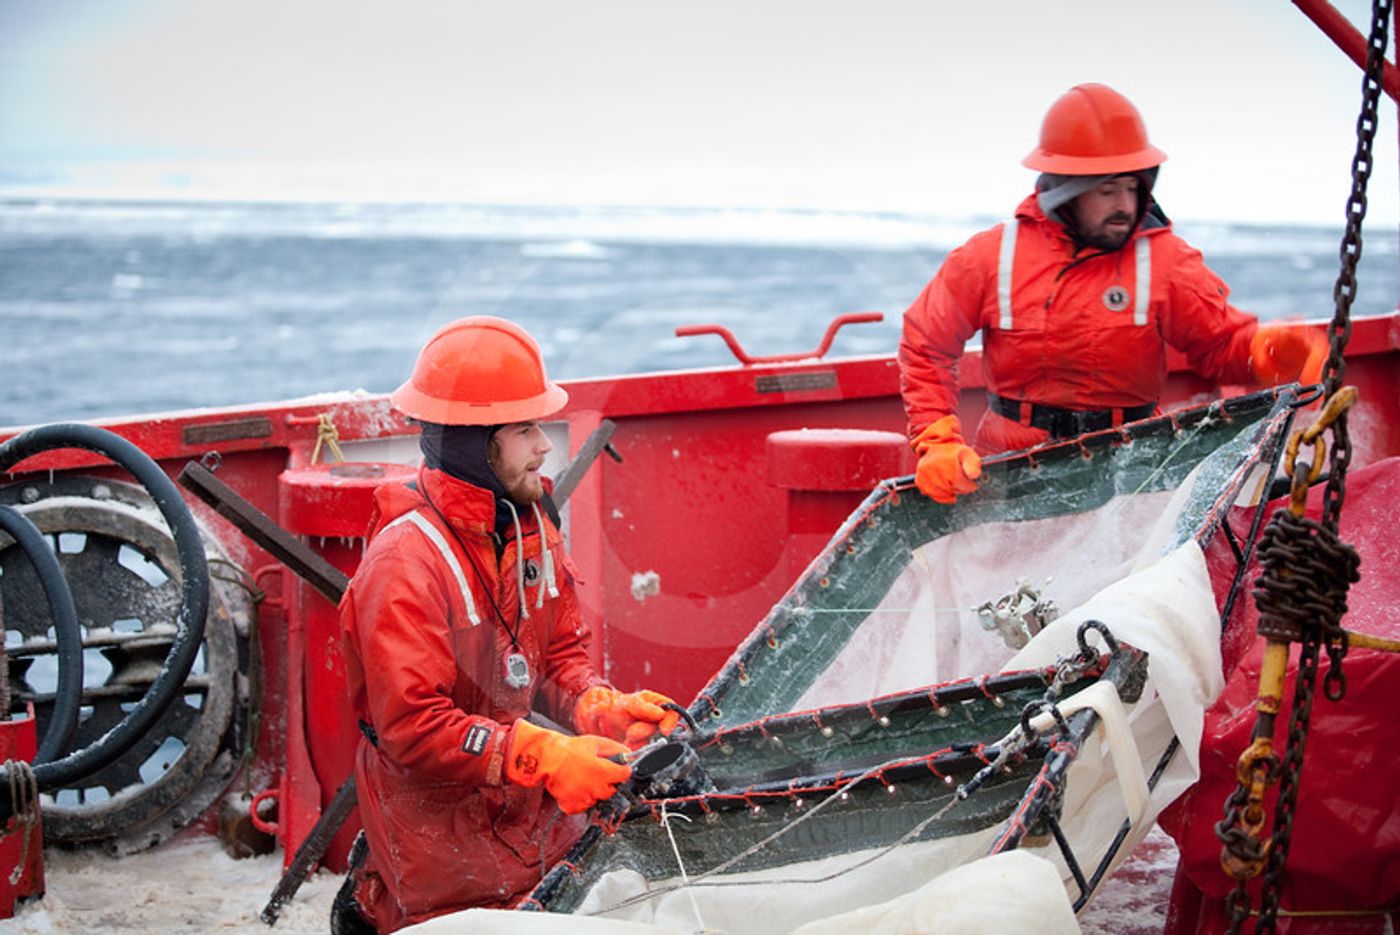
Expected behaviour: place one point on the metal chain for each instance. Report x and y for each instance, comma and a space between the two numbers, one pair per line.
1307, 569
1302, 597
1361, 165
1298, 725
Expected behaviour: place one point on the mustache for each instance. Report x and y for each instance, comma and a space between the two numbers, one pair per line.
1119, 218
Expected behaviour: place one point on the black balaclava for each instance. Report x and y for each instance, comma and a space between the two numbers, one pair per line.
462, 451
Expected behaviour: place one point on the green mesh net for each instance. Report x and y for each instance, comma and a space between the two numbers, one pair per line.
844, 726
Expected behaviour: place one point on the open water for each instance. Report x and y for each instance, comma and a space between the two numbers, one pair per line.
114, 308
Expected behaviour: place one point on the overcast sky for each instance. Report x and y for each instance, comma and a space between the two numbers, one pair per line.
916, 105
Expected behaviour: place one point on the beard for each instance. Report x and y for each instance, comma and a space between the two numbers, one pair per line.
521, 485
517, 474
1104, 238
525, 489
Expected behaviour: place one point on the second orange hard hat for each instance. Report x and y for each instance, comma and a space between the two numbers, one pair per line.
1093, 130
479, 371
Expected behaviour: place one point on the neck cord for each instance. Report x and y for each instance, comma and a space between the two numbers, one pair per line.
481, 579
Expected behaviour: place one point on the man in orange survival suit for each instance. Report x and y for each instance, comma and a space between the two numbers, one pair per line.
461, 620
1077, 299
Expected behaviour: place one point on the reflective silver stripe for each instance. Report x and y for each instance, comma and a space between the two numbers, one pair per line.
1008, 254
1144, 280
435, 537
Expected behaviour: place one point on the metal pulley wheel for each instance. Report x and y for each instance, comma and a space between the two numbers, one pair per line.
123, 568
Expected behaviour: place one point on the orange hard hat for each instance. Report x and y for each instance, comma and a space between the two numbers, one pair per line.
1093, 130
479, 371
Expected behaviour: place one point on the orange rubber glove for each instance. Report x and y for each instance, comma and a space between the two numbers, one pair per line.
947, 465
1283, 353
575, 770
632, 719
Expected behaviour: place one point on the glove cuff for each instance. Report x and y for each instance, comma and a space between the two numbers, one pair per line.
524, 761
939, 432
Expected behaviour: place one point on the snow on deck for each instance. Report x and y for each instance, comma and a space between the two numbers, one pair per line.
192, 886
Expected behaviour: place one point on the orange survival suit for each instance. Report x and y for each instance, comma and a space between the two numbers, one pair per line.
427, 678
1070, 327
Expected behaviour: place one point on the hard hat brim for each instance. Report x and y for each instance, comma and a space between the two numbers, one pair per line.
416, 404
1061, 164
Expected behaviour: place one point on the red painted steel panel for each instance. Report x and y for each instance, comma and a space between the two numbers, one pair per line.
836, 459
331, 504
331, 732
333, 499
695, 542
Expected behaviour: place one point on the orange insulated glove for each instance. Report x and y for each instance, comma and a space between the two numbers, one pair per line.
947, 465
575, 770
1283, 353
633, 718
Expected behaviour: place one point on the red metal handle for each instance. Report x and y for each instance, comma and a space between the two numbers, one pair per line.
263, 825
847, 318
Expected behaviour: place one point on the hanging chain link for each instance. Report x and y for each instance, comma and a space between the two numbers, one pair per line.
1307, 570
1339, 332
1361, 165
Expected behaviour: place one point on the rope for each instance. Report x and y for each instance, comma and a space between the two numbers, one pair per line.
24, 793
328, 435
675, 849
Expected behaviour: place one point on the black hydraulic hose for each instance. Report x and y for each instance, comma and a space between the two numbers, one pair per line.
194, 582
63, 722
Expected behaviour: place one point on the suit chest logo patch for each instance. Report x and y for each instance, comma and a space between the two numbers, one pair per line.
1116, 298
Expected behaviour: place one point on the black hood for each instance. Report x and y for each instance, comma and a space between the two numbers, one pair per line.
461, 451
